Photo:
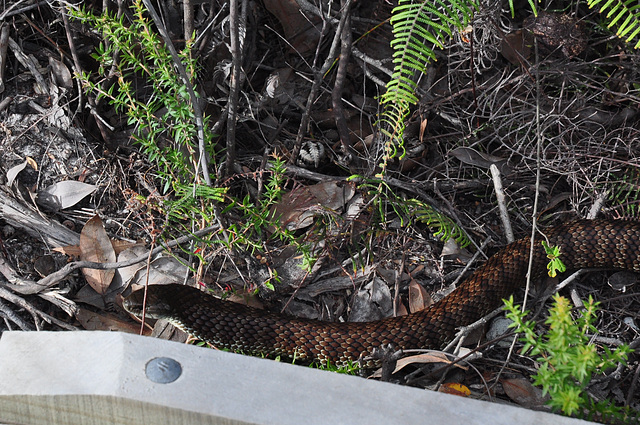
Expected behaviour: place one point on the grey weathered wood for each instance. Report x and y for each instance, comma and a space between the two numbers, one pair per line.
19, 215
99, 378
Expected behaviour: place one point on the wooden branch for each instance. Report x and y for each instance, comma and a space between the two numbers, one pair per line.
19, 215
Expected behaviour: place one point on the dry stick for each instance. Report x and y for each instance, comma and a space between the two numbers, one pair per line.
632, 389
10, 12
203, 161
341, 74
55, 298
78, 70
597, 205
187, 8
10, 296
317, 80
27, 62
103, 127
376, 63
10, 315
534, 213
236, 57
502, 203
10, 275
4, 44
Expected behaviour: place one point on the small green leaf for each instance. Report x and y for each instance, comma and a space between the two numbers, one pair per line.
555, 264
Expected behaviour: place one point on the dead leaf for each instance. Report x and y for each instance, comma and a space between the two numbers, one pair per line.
521, 391
425, 358
300, 29
372, 302
45, 265
126, 274
455, 389
87, 295
332, 195
452, 251
297, 208
246, 297
95, 246
120, 246
401, 310
419, 298
64, 194
15, 170
93, 321
516, 46
61, 73
70, 250
161, 270
482, 160
423, 127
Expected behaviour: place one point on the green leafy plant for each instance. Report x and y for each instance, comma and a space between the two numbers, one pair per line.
624, 14
555, 264
567, 359
442, 226
131, 56
349, 369
132, 53
250, 231
418, 27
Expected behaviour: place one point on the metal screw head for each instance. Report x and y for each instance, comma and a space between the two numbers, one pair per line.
163, 370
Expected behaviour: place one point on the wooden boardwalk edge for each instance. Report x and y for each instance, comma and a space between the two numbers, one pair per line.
76, 378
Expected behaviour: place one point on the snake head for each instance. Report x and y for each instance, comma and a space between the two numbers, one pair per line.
157, 305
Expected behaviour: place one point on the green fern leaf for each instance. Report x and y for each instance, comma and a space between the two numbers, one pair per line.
418, 28
442, 226
626, 11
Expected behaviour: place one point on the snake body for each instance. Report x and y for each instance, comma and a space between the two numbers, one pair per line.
612, 244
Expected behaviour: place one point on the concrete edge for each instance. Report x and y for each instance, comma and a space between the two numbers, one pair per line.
53, 377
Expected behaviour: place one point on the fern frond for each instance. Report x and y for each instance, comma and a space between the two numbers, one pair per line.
626, 11
418, 28
442, 226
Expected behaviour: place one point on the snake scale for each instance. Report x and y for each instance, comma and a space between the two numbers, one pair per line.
612, 244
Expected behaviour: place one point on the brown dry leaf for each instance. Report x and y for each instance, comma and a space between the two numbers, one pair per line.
516, 46
419, 298
93, 321
423, 128
455, 389
401, 310
299, 29
297, 208
333, 195
478, 159
119, 246
96, 246
522, 392
69, 250
424, 359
